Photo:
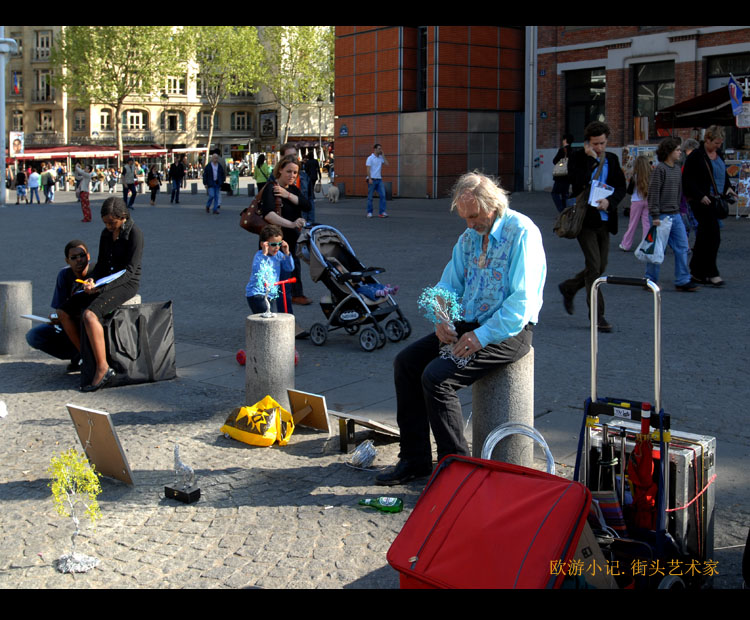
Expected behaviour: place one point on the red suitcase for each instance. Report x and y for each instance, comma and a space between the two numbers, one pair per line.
488, 524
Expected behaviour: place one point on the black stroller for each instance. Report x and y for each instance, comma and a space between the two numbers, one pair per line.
334, 263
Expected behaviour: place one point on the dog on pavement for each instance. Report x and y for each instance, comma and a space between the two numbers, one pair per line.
333, 193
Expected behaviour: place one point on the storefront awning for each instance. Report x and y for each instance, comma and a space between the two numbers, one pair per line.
712, 108
147, 152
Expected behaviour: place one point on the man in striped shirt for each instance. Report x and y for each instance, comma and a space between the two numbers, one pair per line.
664, 192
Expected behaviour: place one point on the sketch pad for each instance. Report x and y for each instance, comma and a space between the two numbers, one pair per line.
99, 441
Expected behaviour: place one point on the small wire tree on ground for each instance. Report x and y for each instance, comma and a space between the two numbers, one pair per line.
75, 485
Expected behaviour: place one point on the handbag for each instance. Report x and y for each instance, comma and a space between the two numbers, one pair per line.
251, 218
654, 244
719, 204
570, 220
561, 168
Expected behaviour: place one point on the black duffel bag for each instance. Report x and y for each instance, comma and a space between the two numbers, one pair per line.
140, 345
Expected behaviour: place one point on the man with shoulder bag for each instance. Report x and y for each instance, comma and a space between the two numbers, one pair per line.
585, 165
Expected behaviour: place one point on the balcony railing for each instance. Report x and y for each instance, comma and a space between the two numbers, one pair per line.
41, 95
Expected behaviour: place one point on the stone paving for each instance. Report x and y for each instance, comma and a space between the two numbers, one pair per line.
287, 517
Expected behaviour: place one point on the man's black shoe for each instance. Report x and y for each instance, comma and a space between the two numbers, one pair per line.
603, 326
75, 365
567, 300
403, 472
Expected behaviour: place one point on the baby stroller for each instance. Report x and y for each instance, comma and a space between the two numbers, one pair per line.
334, 263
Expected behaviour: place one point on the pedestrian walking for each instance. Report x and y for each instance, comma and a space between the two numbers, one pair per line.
561, 179
638, 188
374, 164
83, 177
21, 187
34, 180
600, 221
128, 183
154, 182
213, 178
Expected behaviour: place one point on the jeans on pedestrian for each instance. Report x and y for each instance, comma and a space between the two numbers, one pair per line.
436, 405
310, 215
376, 185
678, 241
175, 191
129, 188
34, 191
52, 341
214, 195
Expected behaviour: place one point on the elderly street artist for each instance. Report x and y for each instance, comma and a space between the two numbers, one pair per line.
498, 269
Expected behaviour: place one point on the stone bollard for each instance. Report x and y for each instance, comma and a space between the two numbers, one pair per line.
269, 348
505, 395
193, 188
15, 300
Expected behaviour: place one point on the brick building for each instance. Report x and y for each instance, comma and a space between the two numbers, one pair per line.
623, 75
446, 99
440, 99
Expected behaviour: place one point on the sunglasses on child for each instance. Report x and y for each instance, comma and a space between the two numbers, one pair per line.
275, 244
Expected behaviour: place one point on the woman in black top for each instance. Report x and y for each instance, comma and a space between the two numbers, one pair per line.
284, 190
120, 248
561, 184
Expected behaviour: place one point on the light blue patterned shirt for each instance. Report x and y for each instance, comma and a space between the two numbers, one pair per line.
506, 294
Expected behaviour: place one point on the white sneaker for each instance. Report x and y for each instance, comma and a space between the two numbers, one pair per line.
622, 248
369, 215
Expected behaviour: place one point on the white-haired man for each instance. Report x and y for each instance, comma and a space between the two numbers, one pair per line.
498, 269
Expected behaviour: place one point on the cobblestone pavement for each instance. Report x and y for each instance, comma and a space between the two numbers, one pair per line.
287, 517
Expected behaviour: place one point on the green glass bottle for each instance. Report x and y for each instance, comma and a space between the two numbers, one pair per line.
386, 504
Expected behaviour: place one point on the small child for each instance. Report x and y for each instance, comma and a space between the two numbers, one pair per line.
271, 241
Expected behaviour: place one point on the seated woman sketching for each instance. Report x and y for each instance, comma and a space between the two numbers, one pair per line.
120, 249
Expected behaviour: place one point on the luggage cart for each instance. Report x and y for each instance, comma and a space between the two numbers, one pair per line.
636, 425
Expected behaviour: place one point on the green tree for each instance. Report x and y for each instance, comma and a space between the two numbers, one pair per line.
108, 64
300, 66
229, 60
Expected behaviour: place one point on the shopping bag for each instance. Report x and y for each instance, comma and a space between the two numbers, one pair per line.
651, 249
263, 424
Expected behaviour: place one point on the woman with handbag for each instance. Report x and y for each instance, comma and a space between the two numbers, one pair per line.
154, 182
289, 215
705, 183
561, 180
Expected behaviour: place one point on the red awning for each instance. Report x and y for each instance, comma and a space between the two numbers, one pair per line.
712, 108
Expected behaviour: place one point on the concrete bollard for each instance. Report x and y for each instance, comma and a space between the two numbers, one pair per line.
15, 300
505, 395
269, 347
193, 188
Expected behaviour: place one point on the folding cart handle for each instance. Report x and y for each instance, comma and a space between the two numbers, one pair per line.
640, 282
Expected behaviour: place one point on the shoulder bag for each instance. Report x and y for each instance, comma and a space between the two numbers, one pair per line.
251, 218
570, 220
719, 204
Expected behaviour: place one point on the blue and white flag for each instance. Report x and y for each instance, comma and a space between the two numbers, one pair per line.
735, 96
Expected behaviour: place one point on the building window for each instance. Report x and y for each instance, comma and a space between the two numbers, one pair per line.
43, 44
176, 85
204, 121
240, 121
42, 85
79, 120
135, 120
719, 68
44, 121
653, 85
105, 120
175, 120
585, 99
17, 120
18, 38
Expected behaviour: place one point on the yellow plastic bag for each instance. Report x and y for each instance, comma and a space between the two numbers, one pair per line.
262, 424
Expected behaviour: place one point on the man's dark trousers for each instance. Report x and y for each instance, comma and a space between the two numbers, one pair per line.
594, 243
426, 387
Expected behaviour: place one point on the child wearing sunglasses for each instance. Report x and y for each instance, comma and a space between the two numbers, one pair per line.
274, 251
